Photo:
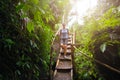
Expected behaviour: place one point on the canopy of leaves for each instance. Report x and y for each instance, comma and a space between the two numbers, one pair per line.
25, 38
98, 37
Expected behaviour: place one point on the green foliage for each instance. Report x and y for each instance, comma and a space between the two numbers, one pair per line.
103, 47
85, 69
95, 35
60, 8
110, 18
93, 27
30, 26
25, 38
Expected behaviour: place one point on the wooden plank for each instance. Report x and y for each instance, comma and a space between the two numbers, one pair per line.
69, 46
63, 68
57, 62
71, 73
69, 43
55, 73
63, 75
69, 39
68, 57
64, 64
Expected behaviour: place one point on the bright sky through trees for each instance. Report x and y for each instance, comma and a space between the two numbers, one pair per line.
80, 9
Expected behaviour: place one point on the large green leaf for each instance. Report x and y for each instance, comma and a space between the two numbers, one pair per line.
103, 47
35, 1
19, 7
30, 26
9, 41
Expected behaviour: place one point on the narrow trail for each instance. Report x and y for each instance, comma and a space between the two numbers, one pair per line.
64, 66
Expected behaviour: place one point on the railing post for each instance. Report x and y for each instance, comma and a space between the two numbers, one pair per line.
50, 67
73, 44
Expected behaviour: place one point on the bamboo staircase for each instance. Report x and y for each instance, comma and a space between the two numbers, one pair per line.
64, 66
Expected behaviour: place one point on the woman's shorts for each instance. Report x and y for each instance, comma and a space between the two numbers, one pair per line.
64, 41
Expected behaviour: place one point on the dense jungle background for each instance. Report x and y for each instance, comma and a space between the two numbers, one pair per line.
27, 28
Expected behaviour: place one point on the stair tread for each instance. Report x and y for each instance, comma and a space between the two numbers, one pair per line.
63, 67
68, 57
63, 75
68, 51
64, 64
69, 47
69, 43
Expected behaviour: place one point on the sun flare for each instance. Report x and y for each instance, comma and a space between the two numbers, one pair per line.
81, 8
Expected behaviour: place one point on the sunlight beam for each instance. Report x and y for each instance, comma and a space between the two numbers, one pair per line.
80, 8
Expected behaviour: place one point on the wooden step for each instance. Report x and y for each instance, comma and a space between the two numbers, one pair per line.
69, 43
63, 68
70, 36
69, 46
64, 64
68, 57
68, 51
70, 39
63, 75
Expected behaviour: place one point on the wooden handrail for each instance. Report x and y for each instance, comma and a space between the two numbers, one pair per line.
51, 51
101, 63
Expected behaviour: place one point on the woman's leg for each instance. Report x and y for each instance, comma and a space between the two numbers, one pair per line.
65, 50
64, 46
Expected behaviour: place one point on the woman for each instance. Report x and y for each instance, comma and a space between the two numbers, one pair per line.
64, 34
